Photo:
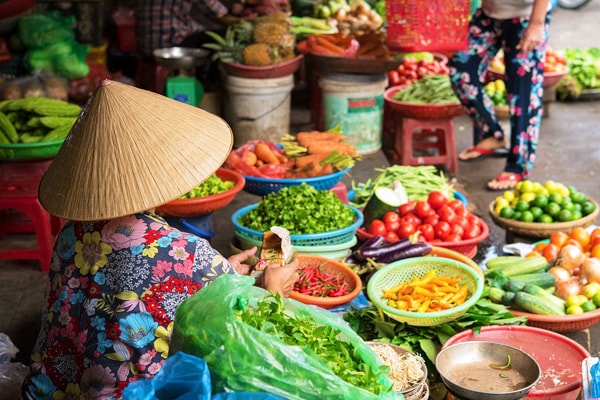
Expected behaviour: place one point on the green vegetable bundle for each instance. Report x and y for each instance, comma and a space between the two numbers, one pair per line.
301, 209
431, 89
254, 341
584, 65
213, 185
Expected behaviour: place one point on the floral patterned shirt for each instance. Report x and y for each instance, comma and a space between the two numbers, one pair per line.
114, 288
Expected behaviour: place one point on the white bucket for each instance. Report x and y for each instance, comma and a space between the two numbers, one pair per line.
258, 108
355, 103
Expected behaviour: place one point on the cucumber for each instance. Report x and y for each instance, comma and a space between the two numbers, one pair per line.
544, 295
514, 286
536, 305
508, 299
382, 200
502, 262
526, 266
542, 279
495, 294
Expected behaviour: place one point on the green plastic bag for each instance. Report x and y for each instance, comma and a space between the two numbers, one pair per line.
242, 358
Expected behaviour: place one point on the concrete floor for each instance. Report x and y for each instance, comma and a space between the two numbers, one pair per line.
568, 152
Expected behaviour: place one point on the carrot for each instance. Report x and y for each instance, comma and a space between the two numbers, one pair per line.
305, 138
334, 48
263, 152
329, 147
305, 161
250, 158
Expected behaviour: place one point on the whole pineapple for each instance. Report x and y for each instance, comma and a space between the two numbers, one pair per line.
258, 55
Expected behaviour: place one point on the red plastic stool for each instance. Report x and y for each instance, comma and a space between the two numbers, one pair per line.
21, 212
424, 142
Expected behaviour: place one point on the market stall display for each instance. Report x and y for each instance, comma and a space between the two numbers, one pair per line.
422, 307
558, 356
325, 282
487, 371
555, 67
217, 192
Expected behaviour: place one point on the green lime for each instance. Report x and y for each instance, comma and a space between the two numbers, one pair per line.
555, 198
588, 306
552, 209
568, 205
527, 216
577, 215
522, 205
565, 215
507, 212
596, 299
545, 219
536, 211
540, 201
587, 207
577, 207
577, 197
517, 215
571, 310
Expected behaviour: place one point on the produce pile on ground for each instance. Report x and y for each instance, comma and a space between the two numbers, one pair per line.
555, 62
549, 202
300, 209
213, 185
36, 119
305, 155
414, 67
430, 89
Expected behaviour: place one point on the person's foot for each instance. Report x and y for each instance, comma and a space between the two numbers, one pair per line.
504, 181
490, 147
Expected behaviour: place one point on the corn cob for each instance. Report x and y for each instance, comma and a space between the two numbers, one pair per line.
8, 128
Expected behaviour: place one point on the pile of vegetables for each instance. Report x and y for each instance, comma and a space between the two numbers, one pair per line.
301, 209
430, 89
415, 66
555, 62
496, 91
356, 19
213, 185
366, 46
584, 66
314, 281
322, 342
532, 201
305, 155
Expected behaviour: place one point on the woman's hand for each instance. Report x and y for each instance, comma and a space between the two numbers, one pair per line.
532, 37
278, 279
237, 261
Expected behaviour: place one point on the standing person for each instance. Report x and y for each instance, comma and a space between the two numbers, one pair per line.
119, 271
520, 28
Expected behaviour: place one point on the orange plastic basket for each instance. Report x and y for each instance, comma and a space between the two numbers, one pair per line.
427, 25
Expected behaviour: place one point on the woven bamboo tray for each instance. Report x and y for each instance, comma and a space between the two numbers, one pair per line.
538, 229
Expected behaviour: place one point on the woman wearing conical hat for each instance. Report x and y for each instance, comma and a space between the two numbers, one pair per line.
119, 271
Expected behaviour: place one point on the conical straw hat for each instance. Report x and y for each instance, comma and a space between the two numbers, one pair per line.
131, 150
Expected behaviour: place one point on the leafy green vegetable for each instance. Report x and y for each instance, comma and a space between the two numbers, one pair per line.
213, 185
318, 341
301, 209
584, 65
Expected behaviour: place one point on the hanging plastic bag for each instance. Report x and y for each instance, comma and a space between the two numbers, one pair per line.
38, 30
12, 374
244, 359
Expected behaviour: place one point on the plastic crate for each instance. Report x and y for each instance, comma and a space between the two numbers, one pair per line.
427, 25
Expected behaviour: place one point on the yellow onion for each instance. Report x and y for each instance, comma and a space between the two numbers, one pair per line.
568, 288
570, 257
590, 270
560, 274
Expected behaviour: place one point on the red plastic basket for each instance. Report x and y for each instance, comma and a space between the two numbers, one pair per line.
427, 25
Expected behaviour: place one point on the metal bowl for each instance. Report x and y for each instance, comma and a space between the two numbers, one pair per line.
475, 371
180, 57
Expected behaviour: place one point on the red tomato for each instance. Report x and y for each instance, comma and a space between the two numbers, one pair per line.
391, 237
457, 230
436, 200
456, 204
407, 208
377, 228
472, 231
473, 219
394, 78
453, 237
423, 209
432, 219
442, 229
462, 221
391, 216
427, 232
392, 226
406, 229
447, 214
412, 218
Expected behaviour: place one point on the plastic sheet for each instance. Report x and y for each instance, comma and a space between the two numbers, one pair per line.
12, 374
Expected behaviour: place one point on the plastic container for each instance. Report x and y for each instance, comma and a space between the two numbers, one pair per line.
258, 108
355, 102
559, 357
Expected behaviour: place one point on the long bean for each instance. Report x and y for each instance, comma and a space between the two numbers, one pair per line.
418, 181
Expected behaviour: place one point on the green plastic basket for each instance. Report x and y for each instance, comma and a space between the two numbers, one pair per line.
405, 270
30, 151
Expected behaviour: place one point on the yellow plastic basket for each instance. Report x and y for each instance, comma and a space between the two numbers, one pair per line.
405, 270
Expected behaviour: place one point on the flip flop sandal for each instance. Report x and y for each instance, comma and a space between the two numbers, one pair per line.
484, 153
510, 177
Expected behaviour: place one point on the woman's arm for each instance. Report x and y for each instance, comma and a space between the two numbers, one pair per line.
534, 33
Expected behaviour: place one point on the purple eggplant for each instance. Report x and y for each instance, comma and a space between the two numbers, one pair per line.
376, 252
412, 250
372, 242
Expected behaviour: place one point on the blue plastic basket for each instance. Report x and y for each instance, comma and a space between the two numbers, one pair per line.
264, 186
330, 238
